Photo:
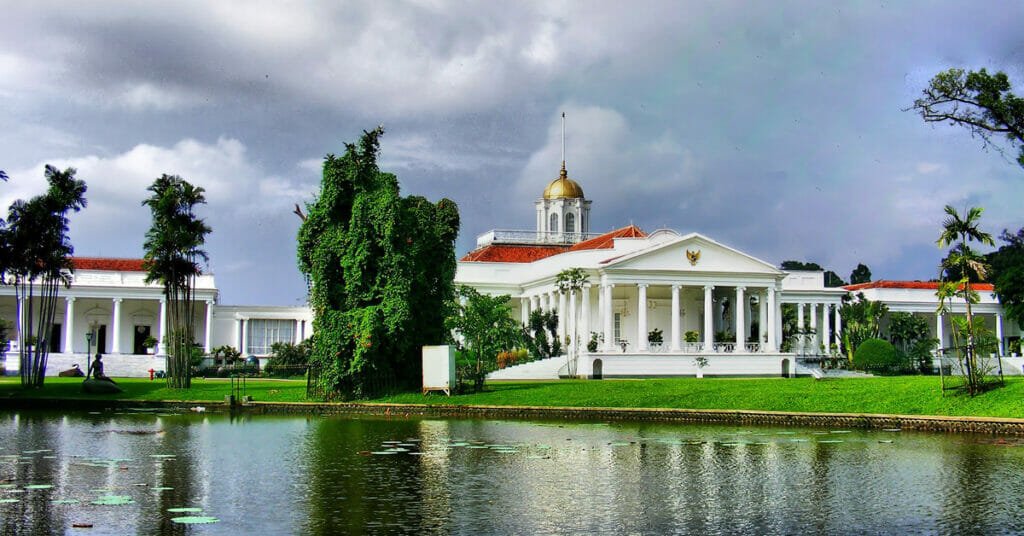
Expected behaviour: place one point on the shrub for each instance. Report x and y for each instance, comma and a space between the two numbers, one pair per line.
655, 336
877, 355
506, 359
289, 359
691, 336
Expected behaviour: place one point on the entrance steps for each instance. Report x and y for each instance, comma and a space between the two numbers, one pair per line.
807, 369
542, 369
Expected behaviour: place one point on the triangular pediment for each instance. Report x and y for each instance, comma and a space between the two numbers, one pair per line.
692, 253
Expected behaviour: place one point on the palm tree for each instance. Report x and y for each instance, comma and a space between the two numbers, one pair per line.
570, 281
38, 251
959, 232
172, 257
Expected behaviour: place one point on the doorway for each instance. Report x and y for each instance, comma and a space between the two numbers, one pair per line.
101, 339
598, 370
55, 332
141, 334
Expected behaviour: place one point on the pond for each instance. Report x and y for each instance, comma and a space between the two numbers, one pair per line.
132, 472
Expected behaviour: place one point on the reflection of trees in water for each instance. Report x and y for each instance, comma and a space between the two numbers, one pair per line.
349, 492
973, 489
33, 513
180, 473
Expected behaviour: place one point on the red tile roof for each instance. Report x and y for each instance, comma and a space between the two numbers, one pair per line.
513, 253
925, 285
536, 252
111, 265
607, 240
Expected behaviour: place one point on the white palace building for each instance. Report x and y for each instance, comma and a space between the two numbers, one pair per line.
684, 285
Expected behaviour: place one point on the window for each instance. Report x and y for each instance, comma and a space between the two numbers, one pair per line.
264, 333
570, 223
553, 227
618, 327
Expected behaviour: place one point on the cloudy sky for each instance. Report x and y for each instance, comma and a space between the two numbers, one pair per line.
776, 128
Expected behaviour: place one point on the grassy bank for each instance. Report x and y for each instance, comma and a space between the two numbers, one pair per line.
203, 390
906, 395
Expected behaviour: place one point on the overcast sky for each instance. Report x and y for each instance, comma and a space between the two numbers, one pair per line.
776, 128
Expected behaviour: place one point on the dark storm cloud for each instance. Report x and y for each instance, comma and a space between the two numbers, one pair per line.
775, 128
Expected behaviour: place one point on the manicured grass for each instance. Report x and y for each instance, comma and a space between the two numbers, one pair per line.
203, 390
905, 395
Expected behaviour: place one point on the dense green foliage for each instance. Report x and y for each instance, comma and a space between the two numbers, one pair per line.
877, 355
860, 274
1006, 272
542, 334
861, 321
288, 359
380, 268
486, 328
910, 335
35, 251
173, 249
979, 101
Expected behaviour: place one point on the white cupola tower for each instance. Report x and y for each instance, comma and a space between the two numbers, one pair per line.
563, 213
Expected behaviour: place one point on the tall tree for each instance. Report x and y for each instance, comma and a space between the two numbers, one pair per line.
959, 231
798, 265
1007, 274
487, 328
173, 249
380, 269
860, 274
832, 279
37, 254
570, 281
979, 101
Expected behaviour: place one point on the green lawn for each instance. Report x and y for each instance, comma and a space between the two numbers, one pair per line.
203, 390
906, 395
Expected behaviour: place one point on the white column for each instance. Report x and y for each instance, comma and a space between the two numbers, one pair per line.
238, 334
641, 317
839, 328
999, 332
772, 311
938, 331
585, 316
115, 348
69, 325
563, 317
609, 314
601, 313
814, 328
825, 328
570, 322
741, 336
208, 341
161, 346
21, 321
800, 336
675, 319
245, 337
762, 321
709, 318
524, 310
800, 316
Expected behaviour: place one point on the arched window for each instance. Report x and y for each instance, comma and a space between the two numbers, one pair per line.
554, 223
570, 223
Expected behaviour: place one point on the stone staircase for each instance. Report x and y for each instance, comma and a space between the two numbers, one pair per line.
807, 369
543, 369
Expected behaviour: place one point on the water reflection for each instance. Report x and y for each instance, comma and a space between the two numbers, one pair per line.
330, 475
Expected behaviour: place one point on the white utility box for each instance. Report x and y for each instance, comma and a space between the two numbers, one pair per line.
438, 369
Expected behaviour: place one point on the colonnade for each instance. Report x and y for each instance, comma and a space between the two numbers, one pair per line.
69, 345
769, 323
819, 338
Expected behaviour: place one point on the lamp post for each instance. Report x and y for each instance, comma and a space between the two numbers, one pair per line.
88, 353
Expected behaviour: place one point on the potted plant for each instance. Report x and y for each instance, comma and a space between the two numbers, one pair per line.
655, 338
149, 343
595, 340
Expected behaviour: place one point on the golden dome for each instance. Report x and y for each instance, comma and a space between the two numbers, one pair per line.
563, 187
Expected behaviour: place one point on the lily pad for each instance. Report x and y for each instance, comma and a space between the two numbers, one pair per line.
113, 500
185, 509
161, 488
39, 486
8, 501
64, 501
195, 520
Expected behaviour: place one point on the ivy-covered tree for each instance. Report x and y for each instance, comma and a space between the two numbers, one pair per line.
36, 253
173, 249
380, 269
